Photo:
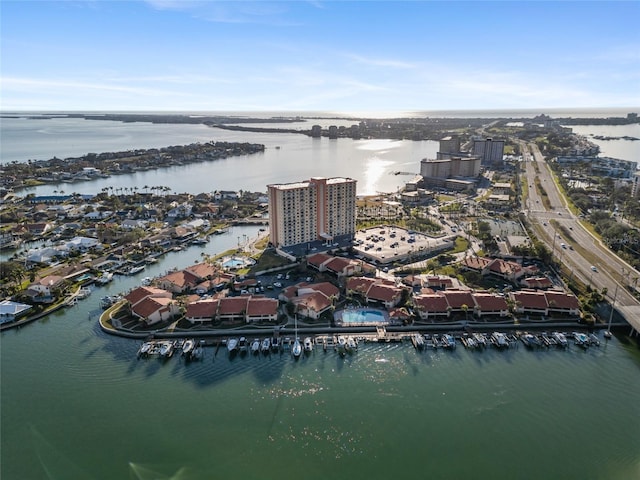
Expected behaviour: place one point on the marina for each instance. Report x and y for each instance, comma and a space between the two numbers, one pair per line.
343, 344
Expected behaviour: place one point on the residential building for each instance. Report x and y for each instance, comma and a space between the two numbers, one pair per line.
490, 151
317, 209
11, 311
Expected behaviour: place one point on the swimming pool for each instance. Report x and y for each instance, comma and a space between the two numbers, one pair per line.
361, 316
236, 262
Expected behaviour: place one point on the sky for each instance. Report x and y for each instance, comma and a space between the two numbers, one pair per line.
329, 56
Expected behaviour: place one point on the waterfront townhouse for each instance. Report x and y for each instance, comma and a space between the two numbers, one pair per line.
319, 209
385, 294
431, 306
529, 302
232, 310
202, 311
490, 304
460, 300
136, 295
562, 303
338, 266
261, 309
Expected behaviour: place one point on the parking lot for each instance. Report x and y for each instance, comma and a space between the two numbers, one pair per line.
390, 244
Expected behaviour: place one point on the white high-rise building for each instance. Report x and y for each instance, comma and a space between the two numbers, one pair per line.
317, 209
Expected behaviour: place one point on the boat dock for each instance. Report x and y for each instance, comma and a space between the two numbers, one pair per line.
349, 343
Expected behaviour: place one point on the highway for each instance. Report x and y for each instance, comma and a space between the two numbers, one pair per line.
571, 243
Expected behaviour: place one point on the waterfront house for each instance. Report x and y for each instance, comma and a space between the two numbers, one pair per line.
11, 311
136, 295
311, 300
46, 289
152, 310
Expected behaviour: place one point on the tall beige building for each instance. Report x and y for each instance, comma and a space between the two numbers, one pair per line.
317, 209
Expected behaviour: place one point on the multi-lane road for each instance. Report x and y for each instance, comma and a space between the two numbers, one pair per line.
571, 243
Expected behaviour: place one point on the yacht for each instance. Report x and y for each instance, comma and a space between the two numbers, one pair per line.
560, 338
243, 345
255, 346
594, 340
166, 349
296, 350
351, 344
146, 281
105, 278
265, 345
342, 344
188, 346
134, 270
581, 339
448, 341
232, 345
145, 348
499, 339
308, 344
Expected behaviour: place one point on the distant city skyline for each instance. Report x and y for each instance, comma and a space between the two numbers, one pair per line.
351, 57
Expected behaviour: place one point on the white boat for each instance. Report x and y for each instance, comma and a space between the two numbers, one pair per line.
166, 349
594, 340
232, 345
607, 334
499, 339
83, 293
296, 350
351, 344
146, 281
275, 343
560, 338
255, 346
581, 339
265, 346
106, 302
308, 344
188, 346
342, 344
105, 278
480, 339
448, 341
145, 348
243, 345
134, 270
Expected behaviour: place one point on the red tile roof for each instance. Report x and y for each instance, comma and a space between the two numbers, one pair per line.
561, 300
202, 270
338, 264
262, 306
489, 302
435, 302
140, 293
150, 305
233, 305
383, 293
457, 298
318, 259
476, 263
316, 301
202, 309
530, 299
181, 278
360, 284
